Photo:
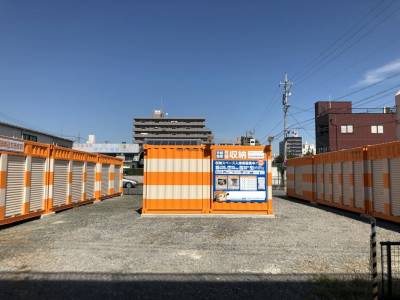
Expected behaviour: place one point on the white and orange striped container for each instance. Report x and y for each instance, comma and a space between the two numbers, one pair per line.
299, 174
23, 182
384, 180
176, 180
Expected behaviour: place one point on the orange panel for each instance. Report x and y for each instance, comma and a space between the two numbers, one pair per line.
3, 179
172, 205
161, 151
177, 178
27, 178
386, 181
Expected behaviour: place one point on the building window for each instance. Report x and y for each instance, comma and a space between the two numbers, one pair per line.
29, 137
378, 129
346, 129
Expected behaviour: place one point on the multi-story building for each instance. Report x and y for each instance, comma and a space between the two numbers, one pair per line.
338, 127
293, 146
22, 133
163, 130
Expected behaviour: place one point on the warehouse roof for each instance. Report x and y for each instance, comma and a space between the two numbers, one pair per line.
33, 131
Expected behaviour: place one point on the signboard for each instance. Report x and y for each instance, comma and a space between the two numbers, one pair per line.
239, 176
7, 144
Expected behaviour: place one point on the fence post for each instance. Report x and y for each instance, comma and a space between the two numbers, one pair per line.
374, 260
389, 269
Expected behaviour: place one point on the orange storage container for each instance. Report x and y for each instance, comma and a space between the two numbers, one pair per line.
176, 179
300, 178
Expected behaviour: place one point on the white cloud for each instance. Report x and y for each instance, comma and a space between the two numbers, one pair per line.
380, 74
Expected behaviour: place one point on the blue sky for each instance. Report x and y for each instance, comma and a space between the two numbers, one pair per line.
80, 67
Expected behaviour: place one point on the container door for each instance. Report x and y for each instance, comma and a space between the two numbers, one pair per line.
90, 180
395, 186
77, 181
359, 184
104, 179
320, 182
348, 183
298, 180
327, 182
117, 174
15, 185
37, 183
378, 185
337, 184
60, 182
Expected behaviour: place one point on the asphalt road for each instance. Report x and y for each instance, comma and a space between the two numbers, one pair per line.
107, 250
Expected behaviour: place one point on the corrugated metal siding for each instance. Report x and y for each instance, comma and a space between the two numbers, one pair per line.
327, 182
347, 187
104, 179
395, 185
359, 184
298, 179
378, 185
290, 171
117, 174
77, 181
337, 185
320, 181
60, 182
90, 180
15, 185
37, 183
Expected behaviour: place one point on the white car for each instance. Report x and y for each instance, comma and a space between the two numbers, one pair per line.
128, 183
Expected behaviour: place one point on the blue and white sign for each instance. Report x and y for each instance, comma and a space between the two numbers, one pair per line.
239, 180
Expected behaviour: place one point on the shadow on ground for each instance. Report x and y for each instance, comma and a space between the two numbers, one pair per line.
180, 286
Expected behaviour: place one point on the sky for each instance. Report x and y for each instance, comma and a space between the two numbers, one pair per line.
75, 68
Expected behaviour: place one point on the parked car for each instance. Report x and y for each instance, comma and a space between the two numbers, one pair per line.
128, 183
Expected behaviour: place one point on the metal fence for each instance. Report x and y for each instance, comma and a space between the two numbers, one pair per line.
390, 262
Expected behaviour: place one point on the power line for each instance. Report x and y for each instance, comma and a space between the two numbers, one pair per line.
331, 46
330, 58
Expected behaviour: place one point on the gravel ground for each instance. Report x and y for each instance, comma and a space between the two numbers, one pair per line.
109, 244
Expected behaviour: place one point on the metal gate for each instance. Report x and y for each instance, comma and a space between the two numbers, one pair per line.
15, 185
60, 182
90, 180
77, 181
37, 183
390, 262
105, 179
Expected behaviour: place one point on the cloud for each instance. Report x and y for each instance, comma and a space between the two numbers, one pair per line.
380, 74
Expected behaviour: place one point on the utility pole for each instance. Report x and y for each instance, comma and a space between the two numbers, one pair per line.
286, 84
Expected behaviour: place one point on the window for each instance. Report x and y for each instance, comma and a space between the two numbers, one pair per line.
377, 129
29, 137
346, 128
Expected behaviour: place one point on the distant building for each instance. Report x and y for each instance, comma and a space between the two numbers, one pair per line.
293, 146
308, 149
130, 153
162, 130
338, 127
23, 133
248, 141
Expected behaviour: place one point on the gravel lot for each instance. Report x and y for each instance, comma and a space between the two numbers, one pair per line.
105, 247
